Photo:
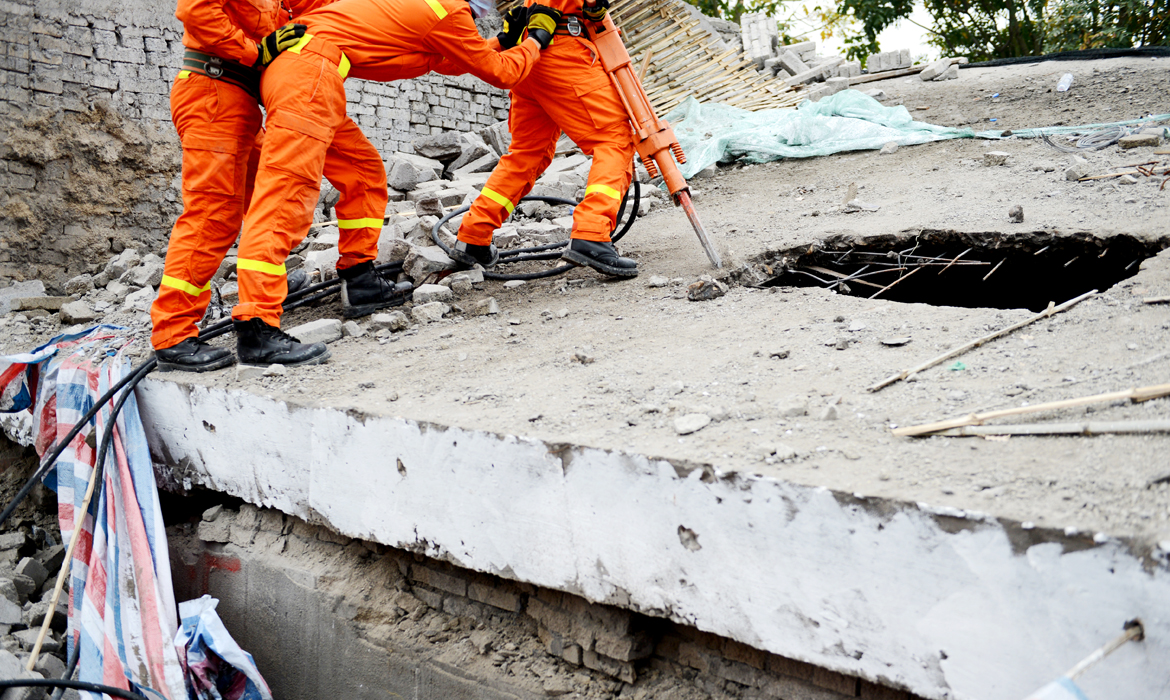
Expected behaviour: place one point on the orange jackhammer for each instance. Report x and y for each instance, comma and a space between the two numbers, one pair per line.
654, 139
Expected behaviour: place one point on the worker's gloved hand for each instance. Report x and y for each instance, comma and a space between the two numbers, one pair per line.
596, 11
514, 22
284, 38
542, 24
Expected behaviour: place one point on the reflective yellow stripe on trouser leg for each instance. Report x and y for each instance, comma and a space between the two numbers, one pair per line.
605, 190
175, 283
260, 266
359, 223
498, 199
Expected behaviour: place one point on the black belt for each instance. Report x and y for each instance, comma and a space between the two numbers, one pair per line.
217, 68
571, 25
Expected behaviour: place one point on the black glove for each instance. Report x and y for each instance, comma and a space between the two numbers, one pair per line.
284, 38
596, 11
542, 24
514, 21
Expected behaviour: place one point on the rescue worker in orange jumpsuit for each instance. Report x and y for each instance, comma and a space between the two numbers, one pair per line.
567, 91
215, 106
304, 94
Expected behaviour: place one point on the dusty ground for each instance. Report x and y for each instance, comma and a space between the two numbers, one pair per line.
658, 356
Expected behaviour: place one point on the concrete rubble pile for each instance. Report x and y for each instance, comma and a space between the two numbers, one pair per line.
28, 573
800, 65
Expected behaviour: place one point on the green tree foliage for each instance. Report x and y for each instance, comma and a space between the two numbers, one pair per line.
1093, 24
731, 10
981, 29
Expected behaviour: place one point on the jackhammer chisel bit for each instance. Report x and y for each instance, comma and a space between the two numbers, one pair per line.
654, 139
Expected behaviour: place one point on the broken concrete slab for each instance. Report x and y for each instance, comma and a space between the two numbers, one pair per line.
324, 330
443, 147
77, 312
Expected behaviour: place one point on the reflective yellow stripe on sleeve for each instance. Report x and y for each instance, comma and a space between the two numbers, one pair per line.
605, 190
168, 281
439, 9
498, 199
359, 223
301, 43
260, 266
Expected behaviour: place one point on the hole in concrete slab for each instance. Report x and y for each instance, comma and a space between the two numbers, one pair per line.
948, 268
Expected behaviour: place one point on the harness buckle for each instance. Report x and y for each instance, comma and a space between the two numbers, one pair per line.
574, 25
213, 66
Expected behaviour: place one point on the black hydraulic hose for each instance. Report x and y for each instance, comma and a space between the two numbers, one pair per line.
539, 252
73, 659
76, 685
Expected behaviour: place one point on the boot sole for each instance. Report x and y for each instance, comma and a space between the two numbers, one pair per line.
367, 309
316, 360
164, 366
579, 259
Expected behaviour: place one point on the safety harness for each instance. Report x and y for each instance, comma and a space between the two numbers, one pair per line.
216, 68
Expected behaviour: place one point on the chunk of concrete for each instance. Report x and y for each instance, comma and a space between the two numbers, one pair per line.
394, 321
429, 313
147, 274
691, 423
498, 136
139, 300
323, 330
950, 73
792, 407
483, 164
443, 147
401, 176
19, 290
993, 158
79, 284
1139, 141
935, 69
486, 307
422, 165
422, 262
120, 263
45, 303
33, 569
351, 329
791, 62
426, 293
77, 312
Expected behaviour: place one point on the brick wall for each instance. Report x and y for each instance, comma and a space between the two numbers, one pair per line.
85, 95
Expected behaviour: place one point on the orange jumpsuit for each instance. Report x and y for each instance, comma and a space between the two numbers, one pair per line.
568, 90
303, 91
219, 125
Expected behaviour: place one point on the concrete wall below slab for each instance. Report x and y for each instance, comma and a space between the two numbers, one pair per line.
943, 603
327, 616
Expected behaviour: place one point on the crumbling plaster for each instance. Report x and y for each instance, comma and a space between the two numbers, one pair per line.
943, 603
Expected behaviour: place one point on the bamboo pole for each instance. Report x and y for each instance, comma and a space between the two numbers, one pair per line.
1135, 395
1050, 311
1084, 428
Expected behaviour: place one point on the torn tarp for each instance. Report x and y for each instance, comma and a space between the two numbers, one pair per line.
217, 668
847, 121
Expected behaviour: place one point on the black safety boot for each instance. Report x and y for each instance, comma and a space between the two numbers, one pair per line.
193, 355
258, 343
601, 257
297, 280
468, 255
364, 291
